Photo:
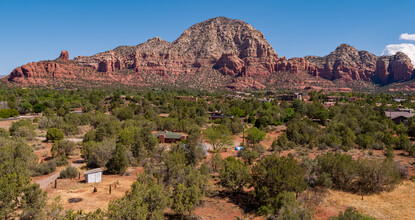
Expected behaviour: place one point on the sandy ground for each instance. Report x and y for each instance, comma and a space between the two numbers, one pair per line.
6, 124
221, 209
74, 188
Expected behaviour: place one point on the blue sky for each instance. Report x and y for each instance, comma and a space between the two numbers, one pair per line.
39, 30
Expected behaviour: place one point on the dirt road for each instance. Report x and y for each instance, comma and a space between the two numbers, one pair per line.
44, 183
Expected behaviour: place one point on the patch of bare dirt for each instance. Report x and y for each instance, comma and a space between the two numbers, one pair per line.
74, 188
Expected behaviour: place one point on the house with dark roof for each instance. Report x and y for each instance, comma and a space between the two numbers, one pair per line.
291, 96
399, 116
217, 115
169, 137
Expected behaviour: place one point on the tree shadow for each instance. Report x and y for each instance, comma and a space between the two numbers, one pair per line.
242, 199
179, 217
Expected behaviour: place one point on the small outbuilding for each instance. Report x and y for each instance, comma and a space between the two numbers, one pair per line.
93, 176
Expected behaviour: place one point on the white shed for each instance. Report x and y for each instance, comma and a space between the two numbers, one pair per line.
93, 176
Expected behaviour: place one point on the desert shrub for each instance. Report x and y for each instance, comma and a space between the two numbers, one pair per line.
254, 135
248, 155
62, 148
364, 176
54, 134
38, 108
97, 154
4, 133
69, 172
123, 113
272, 176
145, 200
342, 170
22, 123
24, 132
235, 174
50, 122
44, 168
73, 118
7, 113
351, 214
69, 128
287, 208
119, 160
259, 149
61, 161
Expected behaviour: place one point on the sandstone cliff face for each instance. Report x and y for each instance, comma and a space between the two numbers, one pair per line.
394, 68
232, 46
346, 62
219, 45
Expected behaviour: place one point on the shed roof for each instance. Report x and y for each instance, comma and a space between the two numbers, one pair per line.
93, 171
168, 134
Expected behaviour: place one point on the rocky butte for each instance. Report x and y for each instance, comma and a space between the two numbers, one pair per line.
217, 53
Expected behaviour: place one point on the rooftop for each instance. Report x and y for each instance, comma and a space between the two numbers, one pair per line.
396, 114
93, 171
168, 134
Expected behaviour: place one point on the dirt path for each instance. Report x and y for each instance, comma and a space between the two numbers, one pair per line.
44, 183
76, 140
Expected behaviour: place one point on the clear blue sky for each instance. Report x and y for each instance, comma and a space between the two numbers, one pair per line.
33, 30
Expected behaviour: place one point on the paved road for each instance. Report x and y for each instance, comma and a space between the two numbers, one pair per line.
44, 183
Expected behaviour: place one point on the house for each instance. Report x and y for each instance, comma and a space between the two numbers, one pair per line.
217, 115
332, 98
263, 100
169, 137
399, 116
291, 96
93, 176
399, 100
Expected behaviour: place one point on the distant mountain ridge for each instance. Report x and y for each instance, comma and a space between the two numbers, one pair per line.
213, 54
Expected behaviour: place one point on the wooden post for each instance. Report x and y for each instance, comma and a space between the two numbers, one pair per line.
110, 188
79, 175
56, 183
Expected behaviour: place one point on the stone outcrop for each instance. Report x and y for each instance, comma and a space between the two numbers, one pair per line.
396, 68
219, 45
64, 55
231, 46
346, 63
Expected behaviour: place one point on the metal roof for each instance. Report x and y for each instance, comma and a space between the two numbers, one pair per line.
169, 135
93, 171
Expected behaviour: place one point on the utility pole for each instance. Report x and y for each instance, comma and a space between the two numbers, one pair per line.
243, 134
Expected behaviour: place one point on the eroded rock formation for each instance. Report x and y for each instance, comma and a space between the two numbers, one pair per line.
230, 47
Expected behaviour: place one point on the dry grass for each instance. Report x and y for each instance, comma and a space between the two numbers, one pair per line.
6, 124
397, 204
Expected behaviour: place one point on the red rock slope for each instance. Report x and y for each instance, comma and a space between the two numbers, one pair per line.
232, 48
